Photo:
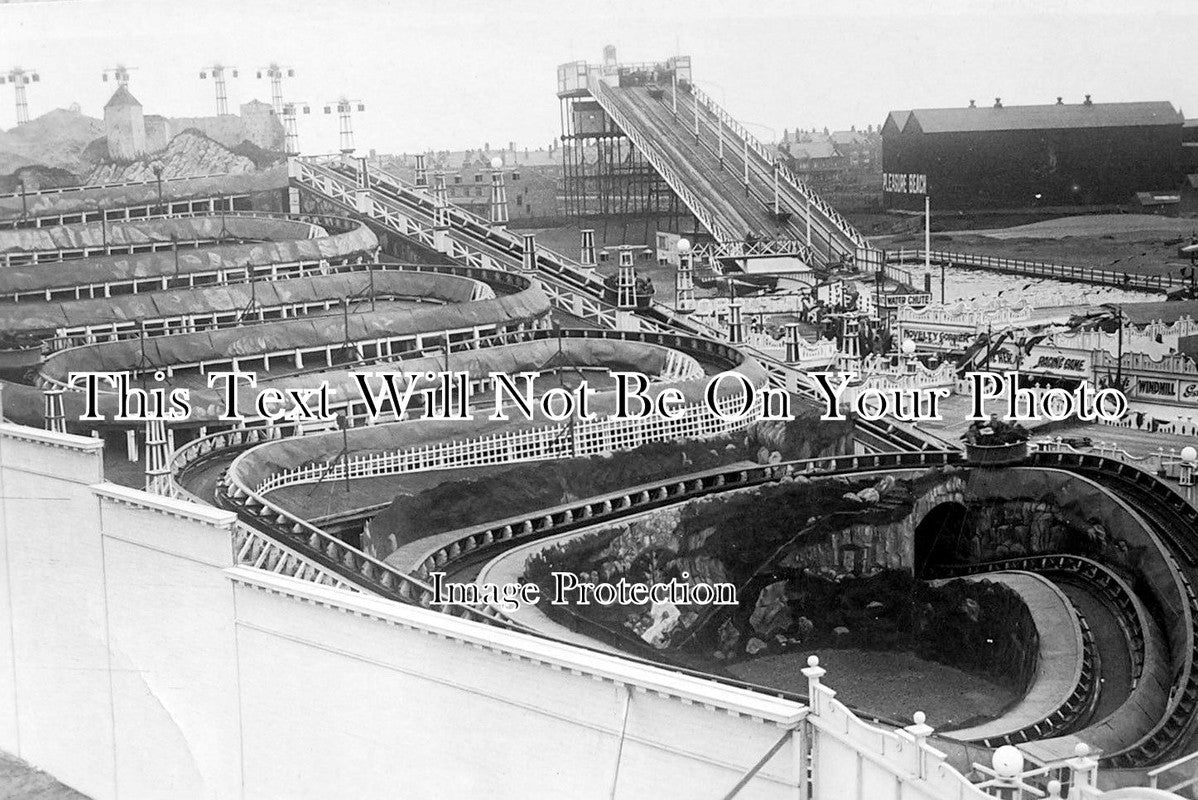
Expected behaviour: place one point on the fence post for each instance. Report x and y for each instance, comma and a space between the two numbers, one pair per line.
920, 731
813, 671
1083, 768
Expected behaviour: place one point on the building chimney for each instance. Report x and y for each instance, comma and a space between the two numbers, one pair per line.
973, 104
1088, 101
998, 102
1060, 101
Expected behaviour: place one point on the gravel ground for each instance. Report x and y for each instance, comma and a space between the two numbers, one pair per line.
1136, 243
893, 685
1095, 225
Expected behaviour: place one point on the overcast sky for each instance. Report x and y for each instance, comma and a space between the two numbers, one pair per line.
457, 73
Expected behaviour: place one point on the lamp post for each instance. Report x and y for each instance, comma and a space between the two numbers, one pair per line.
927, 243
1119, 363
158, 168
745, 159
1186, 469
777, 159
24, 198
718, 119
498, 208
720, 137
684, 282
1190, 274
927, 238
908, 350
674, 90
777, 199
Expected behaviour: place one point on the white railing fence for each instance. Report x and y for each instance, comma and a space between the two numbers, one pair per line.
566, 440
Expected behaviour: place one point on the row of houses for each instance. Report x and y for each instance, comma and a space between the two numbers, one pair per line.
834, 160
532, 176
1052, 157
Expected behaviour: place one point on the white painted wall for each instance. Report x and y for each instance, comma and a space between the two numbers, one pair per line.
56, 678
451, 709
137, 662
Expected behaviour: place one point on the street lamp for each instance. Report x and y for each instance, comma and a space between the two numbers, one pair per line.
684, 279
1190, 274
1189, 462
24, 198
498, 205
718, 120
907, 348
158, 168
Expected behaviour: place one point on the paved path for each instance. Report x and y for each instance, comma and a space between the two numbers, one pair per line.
1134, 440
1060, 655
509, 567
1109, 640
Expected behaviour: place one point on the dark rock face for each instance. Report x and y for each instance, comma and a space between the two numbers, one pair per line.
771, 614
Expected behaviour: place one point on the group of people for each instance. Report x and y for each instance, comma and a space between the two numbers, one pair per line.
995, 431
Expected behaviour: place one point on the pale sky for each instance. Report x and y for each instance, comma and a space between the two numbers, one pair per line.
457, 73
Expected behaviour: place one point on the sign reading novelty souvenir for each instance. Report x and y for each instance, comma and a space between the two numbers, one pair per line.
1156, 389
904, 183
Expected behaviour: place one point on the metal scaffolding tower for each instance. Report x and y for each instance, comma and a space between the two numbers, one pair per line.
345, 109
276, 74
218, 78
291, 126
605, 175
119, 73
20, 78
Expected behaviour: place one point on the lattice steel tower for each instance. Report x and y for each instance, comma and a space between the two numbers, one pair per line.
222, 92
119, 73
291, 126
20, 78
345, 109
276, 74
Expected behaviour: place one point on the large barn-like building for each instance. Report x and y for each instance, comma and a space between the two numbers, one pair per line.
1018, 157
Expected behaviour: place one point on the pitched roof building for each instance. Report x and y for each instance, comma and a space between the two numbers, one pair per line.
124, 126
832, 159
1055, 155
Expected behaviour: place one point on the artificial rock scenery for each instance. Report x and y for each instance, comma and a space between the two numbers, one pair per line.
526, 487
839, 562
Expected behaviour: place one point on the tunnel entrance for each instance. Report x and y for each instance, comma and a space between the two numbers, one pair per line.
938, 535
